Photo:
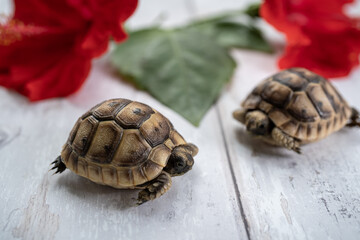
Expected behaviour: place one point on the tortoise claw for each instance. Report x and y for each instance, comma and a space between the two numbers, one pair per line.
140, 202
297, 150
58, 165
56, 160
144, 196
354, 119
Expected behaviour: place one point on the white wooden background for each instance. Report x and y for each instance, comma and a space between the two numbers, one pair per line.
239, 187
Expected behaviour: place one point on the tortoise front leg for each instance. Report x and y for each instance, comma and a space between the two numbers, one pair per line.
155, 189
284, 140
240, 115
354, 119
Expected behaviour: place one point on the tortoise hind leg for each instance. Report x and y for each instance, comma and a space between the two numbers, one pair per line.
354, 119
155, 188
284, 140
58, 165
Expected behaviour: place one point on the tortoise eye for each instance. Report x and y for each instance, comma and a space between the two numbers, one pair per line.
180, 164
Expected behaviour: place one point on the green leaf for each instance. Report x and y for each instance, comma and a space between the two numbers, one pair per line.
234, 35
253, 10
184, 69
129, 56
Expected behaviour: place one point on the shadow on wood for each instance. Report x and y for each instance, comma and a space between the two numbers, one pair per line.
259, 147
97, 194
344, 139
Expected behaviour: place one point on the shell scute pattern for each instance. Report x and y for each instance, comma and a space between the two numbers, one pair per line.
110, 176
279, 117
94, 173
156, 129
252, 101
159, 155
67, 149
320, 100
176, 138
126, 176
120, 143
334, 98
74, 131
312, 131
72, 161
104, 143
139, 174
109, 108
134, 115
291, 80
133, 149
151, 169
265, 106
259, 89
82, 168
84, 133
276, 94
310, 76
302, 108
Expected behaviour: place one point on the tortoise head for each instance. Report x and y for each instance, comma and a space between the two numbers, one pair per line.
257, 123
181, 159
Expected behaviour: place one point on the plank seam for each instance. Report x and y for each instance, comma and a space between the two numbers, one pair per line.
237, 191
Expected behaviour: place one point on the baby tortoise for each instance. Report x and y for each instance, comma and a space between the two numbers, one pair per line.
294, 107
127, 145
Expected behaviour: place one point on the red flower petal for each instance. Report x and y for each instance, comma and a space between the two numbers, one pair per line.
280, 14
55, 13
320, 58
54, 82
55, 61
320, 36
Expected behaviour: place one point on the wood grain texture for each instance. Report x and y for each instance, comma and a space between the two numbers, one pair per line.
37, 205
289, 196
239, 188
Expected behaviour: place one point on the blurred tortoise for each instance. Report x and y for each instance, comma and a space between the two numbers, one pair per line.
126, 145
294, 107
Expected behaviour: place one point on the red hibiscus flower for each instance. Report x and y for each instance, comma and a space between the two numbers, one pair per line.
320, 36
47, 48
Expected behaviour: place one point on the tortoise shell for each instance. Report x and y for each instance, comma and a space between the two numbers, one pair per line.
120, 143
301, 103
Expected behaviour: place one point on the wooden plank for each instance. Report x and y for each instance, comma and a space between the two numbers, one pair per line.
285, 195
36, 205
